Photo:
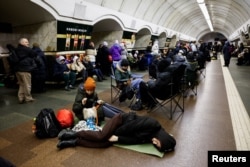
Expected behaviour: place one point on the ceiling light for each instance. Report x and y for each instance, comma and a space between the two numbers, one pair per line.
203, 8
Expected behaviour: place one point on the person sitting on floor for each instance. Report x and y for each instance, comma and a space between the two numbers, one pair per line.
123, 128
86, 97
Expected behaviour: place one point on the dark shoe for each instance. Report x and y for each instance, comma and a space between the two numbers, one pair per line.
104, 78
21, 101
66, 143
66, 135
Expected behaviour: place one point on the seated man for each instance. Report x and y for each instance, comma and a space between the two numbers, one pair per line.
124, 80
191, 70
159, 87
93, 70
124, 128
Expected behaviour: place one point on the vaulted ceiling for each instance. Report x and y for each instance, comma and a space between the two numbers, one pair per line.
185, 15
182, 16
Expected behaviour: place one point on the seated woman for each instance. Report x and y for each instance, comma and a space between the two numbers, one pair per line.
62, 72
78, 67
124, 128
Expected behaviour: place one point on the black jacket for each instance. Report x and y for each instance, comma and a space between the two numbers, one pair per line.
160, 88
26, 59
136, 129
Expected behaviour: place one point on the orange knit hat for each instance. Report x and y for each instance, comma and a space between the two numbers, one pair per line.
89, 84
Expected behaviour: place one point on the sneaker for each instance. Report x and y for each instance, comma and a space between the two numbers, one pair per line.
66, 88
71, 87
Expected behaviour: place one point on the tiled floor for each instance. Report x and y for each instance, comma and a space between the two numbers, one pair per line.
205, 125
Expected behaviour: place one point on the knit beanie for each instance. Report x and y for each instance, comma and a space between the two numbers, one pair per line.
89, 84
124, 62
167, 141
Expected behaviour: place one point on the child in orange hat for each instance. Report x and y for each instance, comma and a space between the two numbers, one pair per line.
86, 97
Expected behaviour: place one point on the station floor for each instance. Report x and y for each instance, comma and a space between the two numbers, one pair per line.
216, 119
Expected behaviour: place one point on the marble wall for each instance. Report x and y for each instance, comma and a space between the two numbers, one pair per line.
43, 33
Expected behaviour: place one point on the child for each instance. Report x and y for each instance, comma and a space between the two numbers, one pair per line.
86, 97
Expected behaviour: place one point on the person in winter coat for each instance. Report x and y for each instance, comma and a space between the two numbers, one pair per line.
125, 80
93, 70
78, 67
123, 128
25, 66
226, 53
102, 59
62, 72
115, 52
91, 52
86, 97
39, 74
124, 51
158, 87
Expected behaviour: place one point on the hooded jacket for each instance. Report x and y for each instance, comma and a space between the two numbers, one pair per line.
141, 129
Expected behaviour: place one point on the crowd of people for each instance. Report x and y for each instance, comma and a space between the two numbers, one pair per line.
97, 63
122, 127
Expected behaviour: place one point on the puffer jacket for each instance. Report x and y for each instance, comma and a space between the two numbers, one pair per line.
60, 68
115, 51
78, 106
26, 59
160, 88
136, 129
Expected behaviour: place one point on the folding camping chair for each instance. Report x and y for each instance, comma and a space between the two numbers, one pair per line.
117, 86
202, 67
191, 78
176, 96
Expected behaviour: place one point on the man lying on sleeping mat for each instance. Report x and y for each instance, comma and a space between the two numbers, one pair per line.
123, 128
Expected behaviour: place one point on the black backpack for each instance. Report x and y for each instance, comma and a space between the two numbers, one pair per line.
46, 123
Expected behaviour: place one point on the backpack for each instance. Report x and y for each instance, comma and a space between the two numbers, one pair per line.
46, 124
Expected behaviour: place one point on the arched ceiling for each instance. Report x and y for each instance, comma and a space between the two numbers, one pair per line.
183, 16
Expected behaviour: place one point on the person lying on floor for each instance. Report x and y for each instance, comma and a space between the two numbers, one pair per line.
123, 128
